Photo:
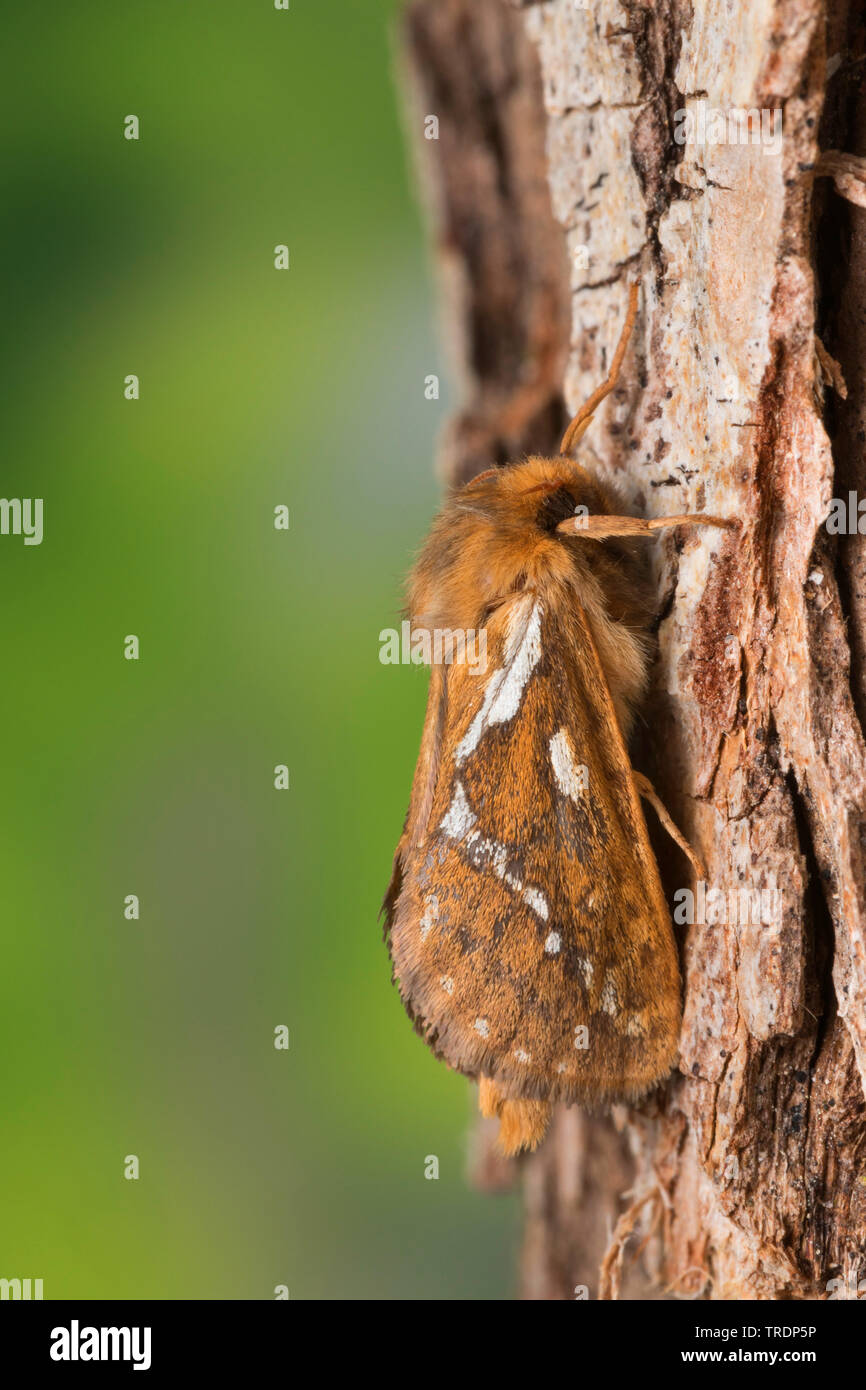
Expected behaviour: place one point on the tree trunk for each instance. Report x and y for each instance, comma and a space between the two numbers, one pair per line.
556, 177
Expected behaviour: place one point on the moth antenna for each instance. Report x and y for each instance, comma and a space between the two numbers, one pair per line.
602, 527
583, 419
522, 1123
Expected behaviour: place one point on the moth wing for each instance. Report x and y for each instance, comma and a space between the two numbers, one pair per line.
423, 787
526, 921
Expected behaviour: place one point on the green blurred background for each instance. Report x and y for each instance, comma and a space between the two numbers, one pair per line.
258, 387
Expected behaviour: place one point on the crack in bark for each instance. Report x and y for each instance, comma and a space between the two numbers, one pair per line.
657, 33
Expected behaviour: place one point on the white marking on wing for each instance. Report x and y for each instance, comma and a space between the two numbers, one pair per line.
553, 944
459, 824
537, 901
504, 690
481, 1026
585, 968
570, 775
460, 817
431, 915
609, 1001
490, 853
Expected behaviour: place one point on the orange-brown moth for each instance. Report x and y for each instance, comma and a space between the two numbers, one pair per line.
529, 933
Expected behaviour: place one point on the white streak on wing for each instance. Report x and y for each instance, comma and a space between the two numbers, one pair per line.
521, 1055
459, 823
490, 852
447, 984
609, 1001
460, 817
431, 915
481, 1026
553, 944
522, 655
585, 968
504, 690
537, 901
566, 770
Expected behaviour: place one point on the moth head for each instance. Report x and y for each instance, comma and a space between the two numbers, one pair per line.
532, 498
497, 535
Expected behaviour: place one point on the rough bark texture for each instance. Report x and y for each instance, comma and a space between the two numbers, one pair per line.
556, 177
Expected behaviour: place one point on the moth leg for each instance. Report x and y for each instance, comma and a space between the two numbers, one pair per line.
583, 419
848, 172
600, 528
646, 789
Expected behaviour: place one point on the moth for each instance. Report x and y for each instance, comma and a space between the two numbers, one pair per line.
525, 918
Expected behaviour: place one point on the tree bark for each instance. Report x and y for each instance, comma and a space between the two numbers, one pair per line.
555, 179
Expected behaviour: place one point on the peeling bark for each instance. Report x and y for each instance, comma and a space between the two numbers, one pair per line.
557, 176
